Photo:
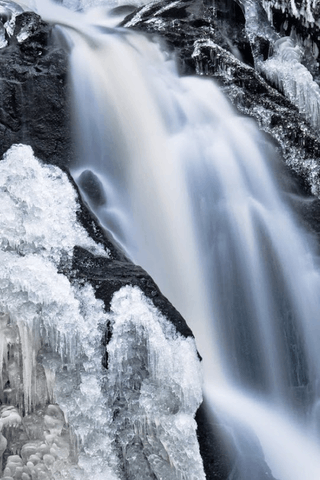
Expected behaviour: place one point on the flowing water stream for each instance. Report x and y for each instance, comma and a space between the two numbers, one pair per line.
188, 190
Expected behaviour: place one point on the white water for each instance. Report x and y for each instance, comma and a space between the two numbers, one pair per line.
190, 196
189, 193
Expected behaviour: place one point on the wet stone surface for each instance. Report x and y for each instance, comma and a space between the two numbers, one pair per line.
34, 106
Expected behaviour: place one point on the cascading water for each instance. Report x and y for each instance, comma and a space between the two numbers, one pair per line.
186, 189
190, 196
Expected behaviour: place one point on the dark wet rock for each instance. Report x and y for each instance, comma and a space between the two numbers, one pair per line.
215, 456
109, 275
34, 106
182, 23
32, 35
219, 448
92, 187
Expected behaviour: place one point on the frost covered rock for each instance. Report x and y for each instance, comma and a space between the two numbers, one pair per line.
34, 105
184, 22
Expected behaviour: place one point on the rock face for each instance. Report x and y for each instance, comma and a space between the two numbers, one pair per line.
34, 109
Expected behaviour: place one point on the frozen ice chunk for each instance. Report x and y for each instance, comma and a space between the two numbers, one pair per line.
155, 389
8, 13
39, 208
285, 71
50, 334
51, 351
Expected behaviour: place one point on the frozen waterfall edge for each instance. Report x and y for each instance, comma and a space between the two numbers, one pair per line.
53, 327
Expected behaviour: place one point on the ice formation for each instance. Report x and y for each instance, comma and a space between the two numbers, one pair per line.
31, 223
8, 13
284, 69
50, 330
302, 9
155, 389
60, 416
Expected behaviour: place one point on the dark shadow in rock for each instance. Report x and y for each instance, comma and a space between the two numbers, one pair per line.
229, 450
92, 186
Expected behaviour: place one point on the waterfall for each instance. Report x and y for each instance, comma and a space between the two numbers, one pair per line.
189, 190
190, 194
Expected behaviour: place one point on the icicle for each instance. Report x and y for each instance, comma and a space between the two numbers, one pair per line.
285, 71
50, 339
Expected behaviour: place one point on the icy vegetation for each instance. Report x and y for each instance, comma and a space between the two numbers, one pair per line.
154, 390
60, 415
284, 70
